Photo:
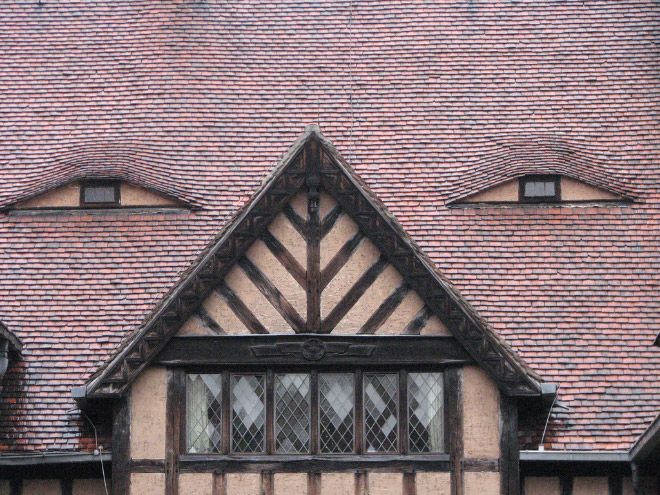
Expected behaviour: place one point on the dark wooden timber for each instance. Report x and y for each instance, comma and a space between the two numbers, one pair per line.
361, 483
454, 427
147, 466
313, 484
481, 465
226, 412
274, 296
270, 412
409, 484
66, 486
173, 428
403, 412
318, 350
285, 257
296, 220
313, 181
267, 483
566, 484
209, 322
615, 485
384, 311
121, 447
316, 463
219, 485
330, 220
340, 259
241, 310
418, 322
353, 295
358, 434
509, 447
314, 413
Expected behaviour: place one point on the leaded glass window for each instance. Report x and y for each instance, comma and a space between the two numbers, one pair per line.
248, 407
336, 412
425, 410
204, 413
292, 413
381, 396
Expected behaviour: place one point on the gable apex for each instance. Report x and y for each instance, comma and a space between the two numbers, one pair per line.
312, 165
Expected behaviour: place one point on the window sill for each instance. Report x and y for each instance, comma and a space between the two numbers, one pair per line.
305, 463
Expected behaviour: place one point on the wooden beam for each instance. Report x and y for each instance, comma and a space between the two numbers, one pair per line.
384, 311
566, 484
173, 428
209, 322
286, 258
330, 220
509, 447
418, 322
313, 180
340, 259
322, 350
274, 296
240, 309
454, 427
353, 295
296, 220
121, 459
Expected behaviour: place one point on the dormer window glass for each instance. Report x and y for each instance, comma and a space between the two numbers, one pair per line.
99, 194
540, 188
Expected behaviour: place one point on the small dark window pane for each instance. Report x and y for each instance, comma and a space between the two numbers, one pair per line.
381, 395
292, 413
204, 413
425, 398
100, 194
336, 406
540, 189
248, 409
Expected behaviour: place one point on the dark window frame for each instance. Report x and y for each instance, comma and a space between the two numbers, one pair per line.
522, 181
359, 436
115, 184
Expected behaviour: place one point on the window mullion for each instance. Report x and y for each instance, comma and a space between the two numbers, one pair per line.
314, 429
270, 412
359, 413
226, 413
403, 412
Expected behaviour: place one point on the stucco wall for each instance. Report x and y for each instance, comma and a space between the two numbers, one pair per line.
196, 484
147, 484
131, 195
590, 486
148, 399
507, 192
63, 197
41, 487
481, 415
89, 487
481, 483
542, 486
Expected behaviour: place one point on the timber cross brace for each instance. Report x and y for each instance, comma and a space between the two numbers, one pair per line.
314, 166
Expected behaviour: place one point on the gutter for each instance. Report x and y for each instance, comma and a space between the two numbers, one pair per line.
574, 456
53, 458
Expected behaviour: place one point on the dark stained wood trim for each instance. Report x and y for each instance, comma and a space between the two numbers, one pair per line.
361, 483
615, 484
173, 425
314, 413
16, 486
209, 322
385, 310
241, 310
267, 483
121, 475
285, 257
147, 466
66, 486
509, 446
329, 221
409, 484
481, 466
307, 463
403, 412
313, 181
270, 412
219, 484
328, 350
313, 484
296, 220
566, 485
418, 322
454, 425
274, 296
340, 259
226, 412
353, 295
358, 413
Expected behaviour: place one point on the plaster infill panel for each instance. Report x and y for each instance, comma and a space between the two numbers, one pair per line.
290, 483
337, 484
41, 487
196, 484
147, 484
481, 415
243, 483
131, 195
148, 416
542, 486
289, 237
429, 483
89, 487
481, 483
385, 483
590, 485
62, 197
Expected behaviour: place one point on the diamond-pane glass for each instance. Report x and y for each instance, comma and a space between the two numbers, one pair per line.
292, 413
204, 413
425, 428
248, 413
381, 394
336, 410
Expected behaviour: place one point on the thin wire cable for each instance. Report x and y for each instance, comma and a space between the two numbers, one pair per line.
99, 449
548, 418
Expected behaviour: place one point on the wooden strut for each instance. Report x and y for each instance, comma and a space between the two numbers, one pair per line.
312, 157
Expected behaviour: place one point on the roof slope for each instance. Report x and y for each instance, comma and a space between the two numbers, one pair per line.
203, 97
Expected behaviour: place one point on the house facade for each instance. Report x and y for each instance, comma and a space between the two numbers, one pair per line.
428, 293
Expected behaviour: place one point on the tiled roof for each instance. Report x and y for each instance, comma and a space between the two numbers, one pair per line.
199, 100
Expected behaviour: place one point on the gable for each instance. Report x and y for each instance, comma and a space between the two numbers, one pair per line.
68, 196
265, 291
312, 167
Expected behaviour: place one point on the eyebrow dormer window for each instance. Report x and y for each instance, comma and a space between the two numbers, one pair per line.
540, 188
99, 194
